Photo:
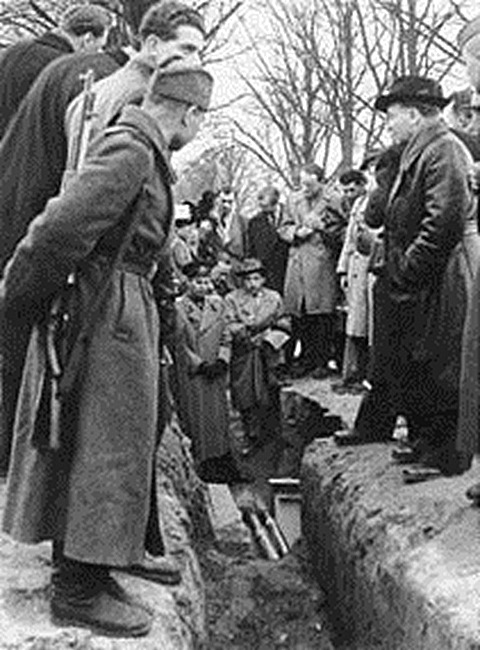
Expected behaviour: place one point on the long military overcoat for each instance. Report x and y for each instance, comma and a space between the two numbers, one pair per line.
310, 279
94, 493
202, 403
430, 232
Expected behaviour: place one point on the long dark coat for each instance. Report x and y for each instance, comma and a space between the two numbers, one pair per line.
34, 149
421, 296
310, 280
202, 403
20, 65
468, 440
94, 493
32, 161
264, 244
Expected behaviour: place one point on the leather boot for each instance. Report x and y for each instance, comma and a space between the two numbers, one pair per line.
82, 596
164, 570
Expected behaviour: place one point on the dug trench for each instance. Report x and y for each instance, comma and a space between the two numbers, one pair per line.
231, 595
260, 590
378, 565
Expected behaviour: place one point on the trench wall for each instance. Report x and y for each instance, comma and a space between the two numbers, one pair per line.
400, 563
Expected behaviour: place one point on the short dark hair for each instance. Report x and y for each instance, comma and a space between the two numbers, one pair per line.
79, 19
352, 176
312, 169
165, 17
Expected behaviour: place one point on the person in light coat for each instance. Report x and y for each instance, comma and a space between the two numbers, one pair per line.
313, 226
200, 374
259, 330
352, 269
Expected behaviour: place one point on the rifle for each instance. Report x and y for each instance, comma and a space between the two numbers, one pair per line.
65, 379
57, 319
78, 150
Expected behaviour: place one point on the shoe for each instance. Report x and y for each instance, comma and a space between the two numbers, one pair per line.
299, 371
406, 455
240, 477
421, 474
473, 493
321, 372
164, 570
116, 590
352, 437
79, 600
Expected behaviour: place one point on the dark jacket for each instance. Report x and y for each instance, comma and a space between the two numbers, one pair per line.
94, 493
33, 150
20, 65
264, 243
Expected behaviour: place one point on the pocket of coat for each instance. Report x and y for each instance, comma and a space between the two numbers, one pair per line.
122, 329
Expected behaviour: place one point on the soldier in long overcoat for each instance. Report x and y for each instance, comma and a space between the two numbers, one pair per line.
421, 295
313, 226
202, 355
91, 492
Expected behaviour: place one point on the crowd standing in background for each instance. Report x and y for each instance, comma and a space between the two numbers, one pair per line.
369, 278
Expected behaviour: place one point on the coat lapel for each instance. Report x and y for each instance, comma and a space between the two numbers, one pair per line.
413, 151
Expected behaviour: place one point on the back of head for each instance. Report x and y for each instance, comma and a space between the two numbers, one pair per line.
165, 17
80, 19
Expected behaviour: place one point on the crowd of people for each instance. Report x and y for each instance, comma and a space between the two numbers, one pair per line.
115, 302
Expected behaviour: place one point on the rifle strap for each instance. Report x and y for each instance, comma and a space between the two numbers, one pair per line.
131, 218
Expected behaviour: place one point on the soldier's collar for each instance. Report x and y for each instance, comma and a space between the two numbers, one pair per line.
138, 118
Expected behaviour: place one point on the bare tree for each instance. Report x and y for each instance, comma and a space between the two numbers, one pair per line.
320, 65
222, 163
23, 18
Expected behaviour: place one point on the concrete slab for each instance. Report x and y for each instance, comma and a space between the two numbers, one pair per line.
230, 533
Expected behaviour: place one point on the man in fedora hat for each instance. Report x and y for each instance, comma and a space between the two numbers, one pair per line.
259, 329
420, 293
90, 489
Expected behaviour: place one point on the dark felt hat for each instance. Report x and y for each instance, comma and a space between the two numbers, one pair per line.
191, 85
251, 265
411, 89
